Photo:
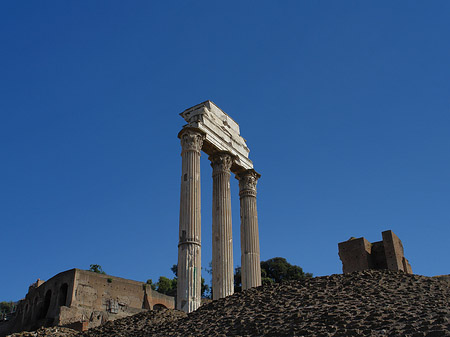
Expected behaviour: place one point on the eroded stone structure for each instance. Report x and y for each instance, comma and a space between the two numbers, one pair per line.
359, 254
212, 131
83, 299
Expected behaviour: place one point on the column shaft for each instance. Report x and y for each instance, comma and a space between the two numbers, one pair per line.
222, 241
189, 247
250, 258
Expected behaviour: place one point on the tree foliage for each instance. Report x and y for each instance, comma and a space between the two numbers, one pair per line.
174, 270
6, 307
275, 270
168, 286
96, 268
237, 280
152, 285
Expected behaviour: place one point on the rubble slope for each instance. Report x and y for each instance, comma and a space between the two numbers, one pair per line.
368, 303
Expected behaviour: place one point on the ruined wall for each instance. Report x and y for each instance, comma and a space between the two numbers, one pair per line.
80, 298
355, 254
40, 307
359, 254
99, 298
393, 249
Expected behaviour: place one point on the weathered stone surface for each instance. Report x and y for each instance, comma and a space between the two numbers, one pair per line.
56, 331
359, 254
222, 132
367, 303
189, 246
250, 253
212, 131
81, 296
222, 236
355, 254
393, 249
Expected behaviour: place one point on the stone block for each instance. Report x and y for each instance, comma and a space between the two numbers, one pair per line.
222, 133
355, 255
359, 254
393, 249
406, 266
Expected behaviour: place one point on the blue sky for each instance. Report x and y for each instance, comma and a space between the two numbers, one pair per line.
345, 108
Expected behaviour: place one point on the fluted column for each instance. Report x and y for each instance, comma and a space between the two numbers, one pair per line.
222, 237
250, 260
189, 247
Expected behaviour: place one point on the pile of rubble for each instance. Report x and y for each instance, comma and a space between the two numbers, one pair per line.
367, 303
140, 324
55, 331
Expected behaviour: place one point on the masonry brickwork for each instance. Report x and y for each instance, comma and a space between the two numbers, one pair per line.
359, 254
83, 299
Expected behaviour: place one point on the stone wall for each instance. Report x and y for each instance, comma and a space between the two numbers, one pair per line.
359, 254
83, 298
40, 307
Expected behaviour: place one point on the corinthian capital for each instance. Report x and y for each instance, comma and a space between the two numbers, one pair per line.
248, 180
191, 140
221, 162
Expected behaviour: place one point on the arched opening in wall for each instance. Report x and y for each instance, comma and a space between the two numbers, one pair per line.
46, 305
159, 306
63, 294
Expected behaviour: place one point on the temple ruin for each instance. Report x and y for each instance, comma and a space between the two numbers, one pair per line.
359, 254
212, 131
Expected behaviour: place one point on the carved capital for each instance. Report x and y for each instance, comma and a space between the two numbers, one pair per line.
247, 181
191, 140
221, 162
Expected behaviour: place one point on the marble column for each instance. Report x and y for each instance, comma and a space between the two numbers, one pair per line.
250, 260
222, 238
189, 247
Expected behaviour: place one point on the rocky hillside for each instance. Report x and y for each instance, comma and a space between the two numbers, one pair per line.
369, 303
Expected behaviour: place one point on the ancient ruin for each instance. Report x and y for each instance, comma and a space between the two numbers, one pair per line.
372, 303
82, 299
359, 254
212, 131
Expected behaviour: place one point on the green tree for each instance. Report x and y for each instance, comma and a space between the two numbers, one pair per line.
275, 270
6, 307
169, 286
174, 270
237, 280
206, 289
279, 270
96, 268
152, 285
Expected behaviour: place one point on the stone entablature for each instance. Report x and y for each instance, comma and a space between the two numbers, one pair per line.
81, 298
358, 254
221, 131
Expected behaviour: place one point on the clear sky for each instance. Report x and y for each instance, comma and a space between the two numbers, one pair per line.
345, 106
